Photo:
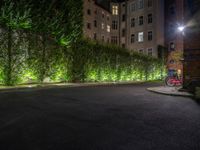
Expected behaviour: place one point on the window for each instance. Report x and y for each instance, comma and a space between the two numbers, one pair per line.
89, 12
108, 18
123, 17
133, 22
102, 26
115, 10
102, 38
150, 3
141, 20
123, 32
150, 52
150, 19
141, 51
95, 12
95, 36
108, 40
132, 38
141, 4
108, 28
150, 36
114, 39
88, 25
123, 45
172, 10
133, 7
114, 25
95, 23
140, 36
103, 15
172, 46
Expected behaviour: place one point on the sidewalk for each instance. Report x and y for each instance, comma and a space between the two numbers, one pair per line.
174, 91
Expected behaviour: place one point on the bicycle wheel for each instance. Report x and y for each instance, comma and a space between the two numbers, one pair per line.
168, 82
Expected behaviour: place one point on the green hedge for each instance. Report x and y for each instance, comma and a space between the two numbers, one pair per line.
83, 61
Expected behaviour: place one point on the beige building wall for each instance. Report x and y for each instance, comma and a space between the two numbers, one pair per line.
156, 27
97, 22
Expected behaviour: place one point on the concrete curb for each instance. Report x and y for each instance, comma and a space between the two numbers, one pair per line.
169, 91
60, 85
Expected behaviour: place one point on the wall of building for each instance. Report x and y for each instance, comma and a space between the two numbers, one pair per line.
120, 15
97, 22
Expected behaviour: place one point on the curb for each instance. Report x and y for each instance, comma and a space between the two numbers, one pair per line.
60, 85
183, 94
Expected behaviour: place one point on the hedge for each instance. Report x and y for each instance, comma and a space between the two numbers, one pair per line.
83, 61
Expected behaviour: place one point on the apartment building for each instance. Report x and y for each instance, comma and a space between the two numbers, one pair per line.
137, 25
97, 21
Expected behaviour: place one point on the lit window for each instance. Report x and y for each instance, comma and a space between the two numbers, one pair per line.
172, 46
140, 36
108, 28
102, 25
115, 10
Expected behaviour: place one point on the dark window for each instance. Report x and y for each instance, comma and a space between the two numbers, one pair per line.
141, 4
132, 38
172, 10
102, 38
88, 25
114, 25
150, 18
133, 22
150, 36
141, 22
150, 52
114, 39
123, 32
95, 23
149, 3
123, 17
95, 36
123, 45
89, 12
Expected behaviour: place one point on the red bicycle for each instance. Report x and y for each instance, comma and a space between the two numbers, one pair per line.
173, 81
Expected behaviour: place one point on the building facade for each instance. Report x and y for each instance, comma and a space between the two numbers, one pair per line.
137, 25
97, 22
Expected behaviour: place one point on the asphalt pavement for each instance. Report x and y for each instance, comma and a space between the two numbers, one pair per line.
112, 117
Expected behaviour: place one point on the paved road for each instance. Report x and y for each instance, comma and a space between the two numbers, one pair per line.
125, 117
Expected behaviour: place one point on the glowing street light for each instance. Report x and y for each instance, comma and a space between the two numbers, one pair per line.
181, 28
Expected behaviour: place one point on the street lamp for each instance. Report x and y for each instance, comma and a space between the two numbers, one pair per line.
181, 28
